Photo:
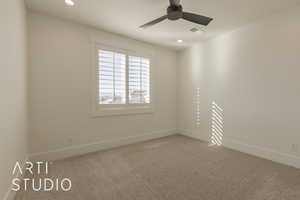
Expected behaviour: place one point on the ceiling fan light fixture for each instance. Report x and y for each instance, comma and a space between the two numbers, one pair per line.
175, 12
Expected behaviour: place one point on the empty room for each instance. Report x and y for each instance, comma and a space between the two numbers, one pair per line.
150, 100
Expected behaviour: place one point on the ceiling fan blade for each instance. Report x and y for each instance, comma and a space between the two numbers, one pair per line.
198, 19
154, 22
174, 2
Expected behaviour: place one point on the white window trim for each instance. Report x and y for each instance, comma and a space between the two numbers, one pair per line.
102, 110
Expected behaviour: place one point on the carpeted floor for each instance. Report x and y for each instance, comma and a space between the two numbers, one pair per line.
172, 168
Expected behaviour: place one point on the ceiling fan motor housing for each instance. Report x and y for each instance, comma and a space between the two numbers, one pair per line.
174, 12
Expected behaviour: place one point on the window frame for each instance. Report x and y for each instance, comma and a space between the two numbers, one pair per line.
101, 110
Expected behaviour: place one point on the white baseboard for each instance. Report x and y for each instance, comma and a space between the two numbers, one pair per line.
192, 134
269, 154
98, 146
11, 194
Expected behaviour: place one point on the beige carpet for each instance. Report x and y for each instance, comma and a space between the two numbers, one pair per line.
172, 168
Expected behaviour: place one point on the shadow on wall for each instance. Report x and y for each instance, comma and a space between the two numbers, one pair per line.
217, 125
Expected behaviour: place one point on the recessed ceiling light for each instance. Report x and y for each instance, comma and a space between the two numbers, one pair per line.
179, 41
70, 2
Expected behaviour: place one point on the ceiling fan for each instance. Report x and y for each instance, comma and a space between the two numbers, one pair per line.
175, 12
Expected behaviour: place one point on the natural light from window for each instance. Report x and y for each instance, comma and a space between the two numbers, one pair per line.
217, 125
112, 77
123, 79
139, 82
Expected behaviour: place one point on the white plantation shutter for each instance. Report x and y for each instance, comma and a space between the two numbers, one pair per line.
138, 80
111, 77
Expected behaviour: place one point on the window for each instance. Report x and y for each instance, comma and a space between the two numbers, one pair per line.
138, 80
112, 77
123, 82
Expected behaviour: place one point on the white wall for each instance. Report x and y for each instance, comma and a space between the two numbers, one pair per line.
253, 74
60, 62
13, 98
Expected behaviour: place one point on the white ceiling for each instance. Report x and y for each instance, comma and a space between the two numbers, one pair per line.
125, 16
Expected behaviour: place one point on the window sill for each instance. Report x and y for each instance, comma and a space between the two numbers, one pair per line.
122, 110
